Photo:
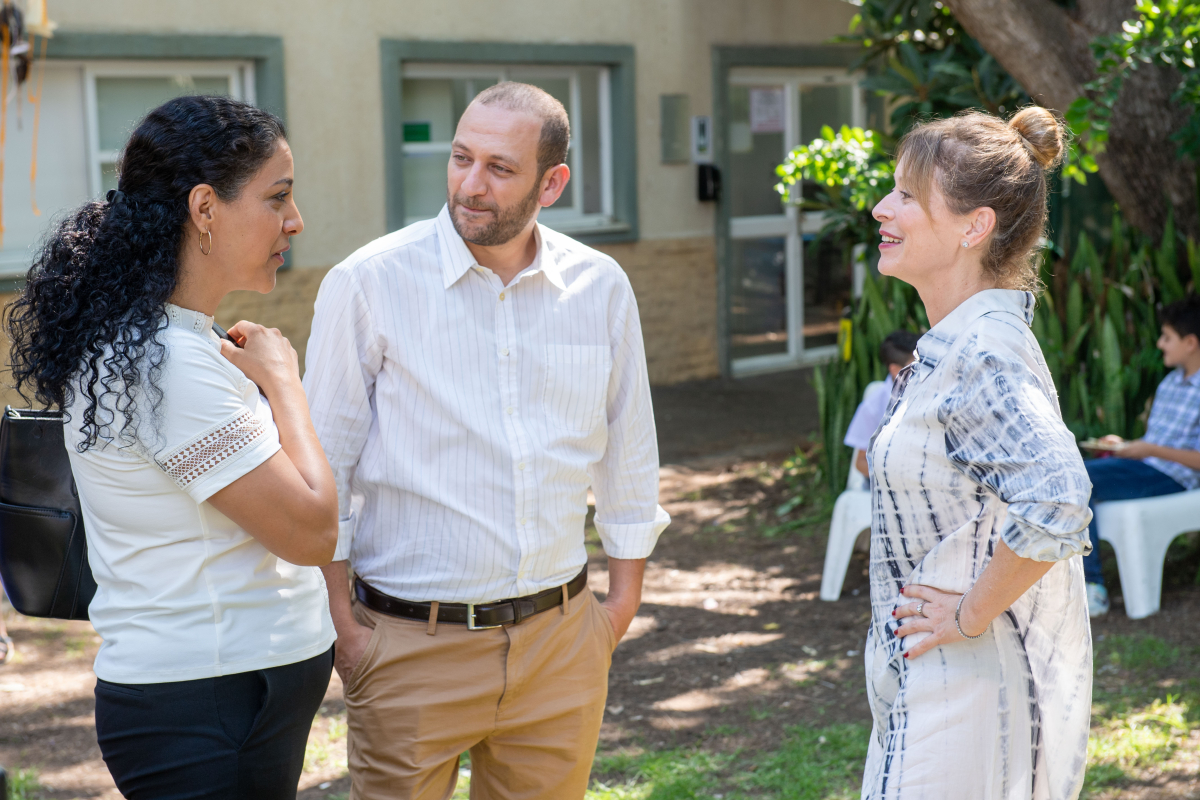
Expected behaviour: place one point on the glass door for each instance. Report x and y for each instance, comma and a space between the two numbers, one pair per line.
781, 315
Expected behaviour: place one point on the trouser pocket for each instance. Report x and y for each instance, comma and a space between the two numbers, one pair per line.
239, 701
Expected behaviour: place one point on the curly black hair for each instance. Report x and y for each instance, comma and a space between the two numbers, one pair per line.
94, 301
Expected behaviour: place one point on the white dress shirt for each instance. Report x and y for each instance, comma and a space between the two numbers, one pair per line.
465, 419
183, 592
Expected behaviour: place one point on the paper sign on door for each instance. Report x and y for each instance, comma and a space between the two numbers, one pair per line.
766, 110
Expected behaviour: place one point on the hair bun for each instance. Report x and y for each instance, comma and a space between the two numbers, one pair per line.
1043, 134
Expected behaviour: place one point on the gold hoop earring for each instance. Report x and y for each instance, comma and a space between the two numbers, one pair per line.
202, 250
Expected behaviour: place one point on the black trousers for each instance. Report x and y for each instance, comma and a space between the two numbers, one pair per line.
233, 737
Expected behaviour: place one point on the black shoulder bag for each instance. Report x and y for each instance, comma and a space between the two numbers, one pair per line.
43, 552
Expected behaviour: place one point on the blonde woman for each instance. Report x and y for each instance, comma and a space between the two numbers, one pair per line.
979, 655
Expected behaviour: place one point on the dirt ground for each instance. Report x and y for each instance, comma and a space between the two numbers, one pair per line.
731, 647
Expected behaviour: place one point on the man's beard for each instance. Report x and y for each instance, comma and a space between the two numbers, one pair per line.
506, 222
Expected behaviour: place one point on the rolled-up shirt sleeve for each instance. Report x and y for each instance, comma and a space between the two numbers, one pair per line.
625, 480
341, 362
210, 437
1004, 432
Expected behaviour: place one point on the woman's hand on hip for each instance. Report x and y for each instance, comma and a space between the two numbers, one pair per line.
263, 354
931, 611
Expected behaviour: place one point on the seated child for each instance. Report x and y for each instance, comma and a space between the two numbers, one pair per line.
1167, 459
896, 352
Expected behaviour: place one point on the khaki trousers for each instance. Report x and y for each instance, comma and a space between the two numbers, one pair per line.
526, 700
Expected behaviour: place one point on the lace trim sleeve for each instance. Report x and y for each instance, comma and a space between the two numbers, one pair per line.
194, 459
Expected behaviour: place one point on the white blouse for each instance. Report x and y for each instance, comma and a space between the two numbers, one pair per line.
183, 592
973, 451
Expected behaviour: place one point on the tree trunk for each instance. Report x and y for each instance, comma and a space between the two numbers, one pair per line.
1046, 48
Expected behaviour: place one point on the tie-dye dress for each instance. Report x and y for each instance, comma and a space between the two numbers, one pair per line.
973, 450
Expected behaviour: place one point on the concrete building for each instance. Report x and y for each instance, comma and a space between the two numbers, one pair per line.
371, 90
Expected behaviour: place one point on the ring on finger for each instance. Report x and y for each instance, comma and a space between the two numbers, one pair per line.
921, 608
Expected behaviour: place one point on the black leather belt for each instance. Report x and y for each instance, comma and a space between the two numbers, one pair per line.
475, 616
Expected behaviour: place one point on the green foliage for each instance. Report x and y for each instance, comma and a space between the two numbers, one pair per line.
1164, 33
887, 304
24, 785
926, 64
1097, 323
847, 173
806, 491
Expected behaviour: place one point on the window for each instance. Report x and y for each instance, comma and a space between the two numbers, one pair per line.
119, 94
433, 98
88, 110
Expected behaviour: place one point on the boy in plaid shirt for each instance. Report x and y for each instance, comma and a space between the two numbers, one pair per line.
1167, 459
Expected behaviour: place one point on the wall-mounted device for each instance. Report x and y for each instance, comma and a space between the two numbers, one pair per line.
708, 183
708, 178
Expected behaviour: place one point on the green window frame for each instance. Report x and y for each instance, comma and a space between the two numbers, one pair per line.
617, 59
264, 52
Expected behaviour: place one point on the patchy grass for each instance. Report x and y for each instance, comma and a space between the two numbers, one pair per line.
24, 785
1124, 744
810, 764
814, 764
323, 752
1145, 721
1135, 653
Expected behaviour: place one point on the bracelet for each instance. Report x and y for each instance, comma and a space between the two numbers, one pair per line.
958, 624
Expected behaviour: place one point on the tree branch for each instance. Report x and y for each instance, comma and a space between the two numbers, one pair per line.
1036, 41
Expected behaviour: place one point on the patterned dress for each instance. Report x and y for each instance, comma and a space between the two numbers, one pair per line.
973, 450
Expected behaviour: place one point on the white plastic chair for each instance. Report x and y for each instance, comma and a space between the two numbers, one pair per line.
851, 516
1140, 532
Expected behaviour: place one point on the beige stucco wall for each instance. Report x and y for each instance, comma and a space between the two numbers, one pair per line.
332, 74
679, 333
331, 53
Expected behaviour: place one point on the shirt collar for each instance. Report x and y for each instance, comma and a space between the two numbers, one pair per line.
195, 321
457, 259
1193, 381
934, 345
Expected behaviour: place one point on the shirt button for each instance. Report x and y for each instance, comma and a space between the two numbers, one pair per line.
509, 410
502, 295
504, 351
521, 466
524, 520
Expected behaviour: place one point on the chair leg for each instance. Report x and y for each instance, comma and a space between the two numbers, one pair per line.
1140, 563
838, 551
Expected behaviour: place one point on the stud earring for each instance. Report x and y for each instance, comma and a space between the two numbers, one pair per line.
966, 244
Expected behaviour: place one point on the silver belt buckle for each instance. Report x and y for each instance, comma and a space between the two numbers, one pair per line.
471, 626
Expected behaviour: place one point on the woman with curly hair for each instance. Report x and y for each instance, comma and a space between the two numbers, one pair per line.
979, 652
207, 509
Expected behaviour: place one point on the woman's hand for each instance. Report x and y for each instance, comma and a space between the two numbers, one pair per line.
932, 610
264, 355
